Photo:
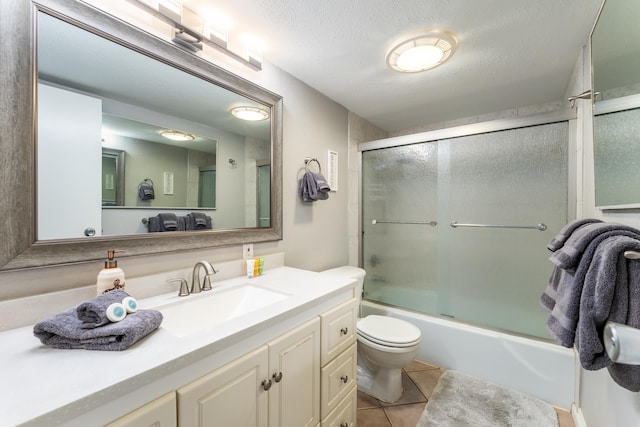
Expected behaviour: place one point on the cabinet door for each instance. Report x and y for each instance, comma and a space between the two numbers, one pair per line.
294, 364
229, 396
159, 413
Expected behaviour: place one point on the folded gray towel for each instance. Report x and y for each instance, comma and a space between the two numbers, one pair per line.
558, 241
93, 313
64, 330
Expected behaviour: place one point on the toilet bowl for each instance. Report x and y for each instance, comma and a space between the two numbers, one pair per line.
385, 346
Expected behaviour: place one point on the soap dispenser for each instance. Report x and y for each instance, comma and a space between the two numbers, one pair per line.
110, 277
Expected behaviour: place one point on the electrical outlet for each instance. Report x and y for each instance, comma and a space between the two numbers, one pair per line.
247, 250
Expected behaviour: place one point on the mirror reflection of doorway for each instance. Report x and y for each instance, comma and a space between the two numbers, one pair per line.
207, 187
263, 194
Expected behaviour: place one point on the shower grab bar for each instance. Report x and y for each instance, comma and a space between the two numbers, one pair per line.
540, 227
384, 221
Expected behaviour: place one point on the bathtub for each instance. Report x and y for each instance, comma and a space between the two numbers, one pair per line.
535, 367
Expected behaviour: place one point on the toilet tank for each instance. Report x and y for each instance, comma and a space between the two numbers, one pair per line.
349, 272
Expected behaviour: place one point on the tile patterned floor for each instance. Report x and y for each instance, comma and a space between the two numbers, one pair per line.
418, 381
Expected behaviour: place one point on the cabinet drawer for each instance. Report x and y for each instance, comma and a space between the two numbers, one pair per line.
338, 379
159, 413
345, 414
338, 330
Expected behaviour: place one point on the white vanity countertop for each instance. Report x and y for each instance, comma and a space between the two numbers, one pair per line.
40, 381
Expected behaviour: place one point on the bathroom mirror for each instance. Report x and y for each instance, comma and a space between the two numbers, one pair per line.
615, 59
190, 95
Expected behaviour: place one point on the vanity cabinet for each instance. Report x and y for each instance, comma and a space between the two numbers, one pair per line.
278, 384
158, 413
338, 402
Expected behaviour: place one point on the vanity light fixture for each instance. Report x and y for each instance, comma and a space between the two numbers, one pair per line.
176, 135
252, 114
192, 40
421, 52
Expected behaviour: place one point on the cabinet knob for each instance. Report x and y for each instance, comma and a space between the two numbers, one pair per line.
345, 379
344, 331
89, 231
266, 384
277, 376
344, 424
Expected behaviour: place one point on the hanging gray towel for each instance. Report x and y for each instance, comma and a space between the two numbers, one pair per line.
559, 239
197, 221
568, 256
145, 190
313, 186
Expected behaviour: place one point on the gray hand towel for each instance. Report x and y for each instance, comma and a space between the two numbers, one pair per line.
93, 313
628, 376
313, 186
565, 273
197, 221
168, 221
558, 241
562, 298
64, 330
605, 297
569, 255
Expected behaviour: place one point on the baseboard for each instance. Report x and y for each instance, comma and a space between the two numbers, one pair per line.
578, 419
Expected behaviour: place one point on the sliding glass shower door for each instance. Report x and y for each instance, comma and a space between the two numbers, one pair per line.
492, 267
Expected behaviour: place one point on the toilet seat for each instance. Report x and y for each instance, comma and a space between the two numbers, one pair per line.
388, 331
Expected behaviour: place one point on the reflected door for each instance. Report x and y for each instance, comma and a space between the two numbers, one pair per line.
69, 164
207, 189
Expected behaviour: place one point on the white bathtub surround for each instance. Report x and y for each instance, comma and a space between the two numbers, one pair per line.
42, 385
538, 368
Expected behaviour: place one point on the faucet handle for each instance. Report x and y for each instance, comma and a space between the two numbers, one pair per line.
206, 285
184, 288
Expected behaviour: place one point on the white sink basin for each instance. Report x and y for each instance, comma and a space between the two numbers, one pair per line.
208, 309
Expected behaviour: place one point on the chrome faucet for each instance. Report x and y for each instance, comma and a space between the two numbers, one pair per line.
195, 277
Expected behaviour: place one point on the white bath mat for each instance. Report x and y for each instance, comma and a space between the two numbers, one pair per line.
462, 400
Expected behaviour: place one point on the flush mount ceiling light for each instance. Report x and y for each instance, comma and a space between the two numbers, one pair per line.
252, 114
176, 135
421, 52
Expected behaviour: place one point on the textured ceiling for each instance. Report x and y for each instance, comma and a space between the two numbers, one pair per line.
511, 53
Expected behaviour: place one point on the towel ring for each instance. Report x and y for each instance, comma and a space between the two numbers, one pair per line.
307, 162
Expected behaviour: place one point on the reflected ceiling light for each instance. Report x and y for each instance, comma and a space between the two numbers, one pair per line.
176, 135
421, 52
252, 114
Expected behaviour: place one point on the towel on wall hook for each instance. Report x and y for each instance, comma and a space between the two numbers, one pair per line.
145, 190
313, 186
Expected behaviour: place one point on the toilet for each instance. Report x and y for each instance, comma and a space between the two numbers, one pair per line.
385, 346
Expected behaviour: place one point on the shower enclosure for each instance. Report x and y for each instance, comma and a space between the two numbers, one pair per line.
458, 227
